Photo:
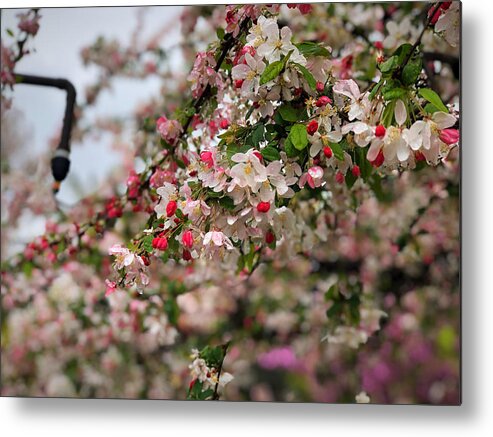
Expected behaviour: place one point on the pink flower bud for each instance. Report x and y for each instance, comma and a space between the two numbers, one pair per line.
322, 101
339, 177
450, 136
187, 239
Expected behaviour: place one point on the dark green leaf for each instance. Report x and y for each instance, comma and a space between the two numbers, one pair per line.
363, 163
291, 114
258, 134
227, 203
332, 293
270, 153
402, 52
335, 309
350, 179
411, 71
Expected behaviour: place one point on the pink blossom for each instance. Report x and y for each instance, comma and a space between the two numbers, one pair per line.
313, 177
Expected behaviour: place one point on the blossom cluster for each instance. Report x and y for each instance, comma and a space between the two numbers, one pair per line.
292, 191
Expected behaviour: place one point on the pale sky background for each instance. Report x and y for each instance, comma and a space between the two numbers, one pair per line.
63, 33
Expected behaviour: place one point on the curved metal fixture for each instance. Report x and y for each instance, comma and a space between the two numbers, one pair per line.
60, 163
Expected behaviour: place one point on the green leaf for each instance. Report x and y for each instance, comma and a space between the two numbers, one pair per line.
273, 70
195, 391
411, 71
430, 109
402, 52
270, 153
312, 83
309, 48
172, 310
298, 136
227, 203
375, 90
332, 293
206, 394
258, 134
393, 90
147, 243
220, 33
350, 179
432, 97
335, 309
213, 356
288, 113
389, 65
291, 151
375, 183
9, 31
337, 150
388, 114
363, 163
27, 268
291, 114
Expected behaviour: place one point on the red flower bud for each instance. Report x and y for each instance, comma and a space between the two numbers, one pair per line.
356, 171
419, 156
328, 152
224, 124
258, 155
380, 131
305, 8
270, 237
378, 161
187, 256
239, 83
320, 87
160, 243
339, 177
379, 45
312, 127
171, 208
146, 260
263, 207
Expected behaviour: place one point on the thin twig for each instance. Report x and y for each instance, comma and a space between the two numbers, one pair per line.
418, 41
215, 396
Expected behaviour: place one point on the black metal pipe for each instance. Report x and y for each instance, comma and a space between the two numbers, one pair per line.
60, 163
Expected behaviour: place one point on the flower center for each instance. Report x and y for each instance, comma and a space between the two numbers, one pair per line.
248, 168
